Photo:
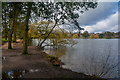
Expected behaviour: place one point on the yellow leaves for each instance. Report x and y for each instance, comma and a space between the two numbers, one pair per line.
96, 36
40, 29
75, 36
32, 32
58, 34
92, 36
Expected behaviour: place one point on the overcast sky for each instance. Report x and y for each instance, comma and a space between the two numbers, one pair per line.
101, 19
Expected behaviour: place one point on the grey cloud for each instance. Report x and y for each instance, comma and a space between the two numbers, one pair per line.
109, 24
103, 10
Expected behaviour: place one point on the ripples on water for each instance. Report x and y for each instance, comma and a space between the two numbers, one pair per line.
91, 56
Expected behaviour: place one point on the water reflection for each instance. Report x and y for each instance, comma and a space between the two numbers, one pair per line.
18, 73
90, 56
56, 52
14, 74
3, 58
34, 70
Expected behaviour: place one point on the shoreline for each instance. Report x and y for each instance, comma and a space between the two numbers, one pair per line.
36, 63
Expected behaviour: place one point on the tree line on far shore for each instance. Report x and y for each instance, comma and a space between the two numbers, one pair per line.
103, 35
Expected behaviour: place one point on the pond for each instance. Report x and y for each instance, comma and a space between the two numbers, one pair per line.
91, 56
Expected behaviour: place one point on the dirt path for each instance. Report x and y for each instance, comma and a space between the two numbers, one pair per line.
36, 64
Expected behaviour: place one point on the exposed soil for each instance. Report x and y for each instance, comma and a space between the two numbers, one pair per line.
36, 60
3, 42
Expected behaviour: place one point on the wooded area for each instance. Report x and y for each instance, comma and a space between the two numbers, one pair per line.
19, 16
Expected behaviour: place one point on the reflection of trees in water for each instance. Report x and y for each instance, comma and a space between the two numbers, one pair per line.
58, 52
101, 65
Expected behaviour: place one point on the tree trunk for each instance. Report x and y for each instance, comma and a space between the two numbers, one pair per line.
10, 35
47, 36
5, 35
26, 27
5, 27
9, 40
6, 32
14, 37
79, 33
11, 29
25, 39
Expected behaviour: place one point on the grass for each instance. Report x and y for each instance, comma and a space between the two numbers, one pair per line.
51, 56
3, 39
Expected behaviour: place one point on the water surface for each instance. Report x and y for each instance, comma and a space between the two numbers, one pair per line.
90, 56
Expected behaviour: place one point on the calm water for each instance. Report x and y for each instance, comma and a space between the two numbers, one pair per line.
90, 56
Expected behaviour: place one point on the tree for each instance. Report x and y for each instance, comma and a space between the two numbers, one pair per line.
96, 36
57, 38
11, 24
57, 12
75, 36
101, 35
85, 34
9, 19
92, 36
62, 12
4, 20
108, 34
26, 27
